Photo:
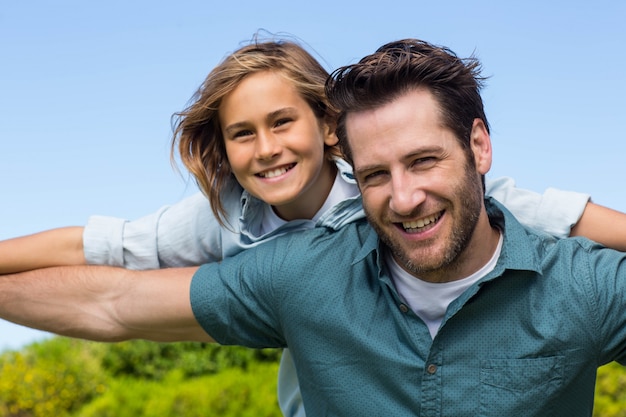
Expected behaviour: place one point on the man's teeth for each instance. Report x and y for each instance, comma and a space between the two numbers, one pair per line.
418, 224
274, 172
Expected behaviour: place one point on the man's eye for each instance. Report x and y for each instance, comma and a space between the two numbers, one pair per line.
372, 176
424, 162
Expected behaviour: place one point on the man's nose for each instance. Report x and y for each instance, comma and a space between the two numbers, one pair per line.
406, 194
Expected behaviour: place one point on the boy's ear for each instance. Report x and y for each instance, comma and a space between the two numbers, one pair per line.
329, 126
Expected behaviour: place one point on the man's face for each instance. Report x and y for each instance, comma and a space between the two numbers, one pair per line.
421, 192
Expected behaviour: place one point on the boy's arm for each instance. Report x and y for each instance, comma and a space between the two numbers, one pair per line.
561, 213
103, 303
184, 234
602, 224
56, 247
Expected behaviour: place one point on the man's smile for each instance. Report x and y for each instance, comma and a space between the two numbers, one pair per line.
423, 224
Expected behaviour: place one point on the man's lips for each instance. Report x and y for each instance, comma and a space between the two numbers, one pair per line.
275, 172
423, 224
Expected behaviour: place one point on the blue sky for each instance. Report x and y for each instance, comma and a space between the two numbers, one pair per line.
87, 90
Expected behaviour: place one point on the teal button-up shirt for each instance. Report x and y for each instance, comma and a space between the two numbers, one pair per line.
525, 340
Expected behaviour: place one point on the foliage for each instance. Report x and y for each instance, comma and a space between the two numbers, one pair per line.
610, 400
233, 392
143, 359
51, 378
65, 377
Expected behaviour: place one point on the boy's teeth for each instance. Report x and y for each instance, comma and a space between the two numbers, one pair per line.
273, 173
418, 224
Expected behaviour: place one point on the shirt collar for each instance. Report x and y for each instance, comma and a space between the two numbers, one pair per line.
252, 208
519, 249
345, 170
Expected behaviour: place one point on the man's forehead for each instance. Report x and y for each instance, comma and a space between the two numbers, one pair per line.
417, 101
412, 111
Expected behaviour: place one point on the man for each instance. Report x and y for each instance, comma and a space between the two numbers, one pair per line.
449, 307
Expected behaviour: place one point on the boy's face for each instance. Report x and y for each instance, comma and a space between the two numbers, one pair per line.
275, 145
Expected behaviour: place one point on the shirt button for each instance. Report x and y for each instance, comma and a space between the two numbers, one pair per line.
431, 369
404, 308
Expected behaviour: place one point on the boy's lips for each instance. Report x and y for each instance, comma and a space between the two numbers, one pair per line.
275, 172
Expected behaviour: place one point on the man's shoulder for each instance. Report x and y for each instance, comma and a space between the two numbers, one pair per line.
352, 234
577, 259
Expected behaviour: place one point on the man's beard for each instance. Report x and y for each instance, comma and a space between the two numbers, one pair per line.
470, 199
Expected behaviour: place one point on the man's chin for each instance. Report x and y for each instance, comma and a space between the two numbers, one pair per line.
419, 262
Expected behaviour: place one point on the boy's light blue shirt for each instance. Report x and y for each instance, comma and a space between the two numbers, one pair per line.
187, 234
525, 340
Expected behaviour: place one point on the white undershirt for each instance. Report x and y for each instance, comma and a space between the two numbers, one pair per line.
340, 191
430, 300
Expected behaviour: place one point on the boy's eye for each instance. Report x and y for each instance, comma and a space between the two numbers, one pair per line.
242, 133
281, 122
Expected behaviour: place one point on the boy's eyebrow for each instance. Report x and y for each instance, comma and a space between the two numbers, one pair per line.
234, 126
271, 115
280, 112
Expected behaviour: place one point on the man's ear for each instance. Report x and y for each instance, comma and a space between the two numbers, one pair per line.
480, 143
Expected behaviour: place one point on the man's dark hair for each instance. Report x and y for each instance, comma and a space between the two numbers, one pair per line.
401, 66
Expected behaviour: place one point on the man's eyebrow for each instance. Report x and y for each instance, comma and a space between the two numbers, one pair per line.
430, 149
434, 149
368, 168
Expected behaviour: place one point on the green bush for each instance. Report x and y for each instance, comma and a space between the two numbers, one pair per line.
233, 392
610, 400
143, 359
64, 377
51, 378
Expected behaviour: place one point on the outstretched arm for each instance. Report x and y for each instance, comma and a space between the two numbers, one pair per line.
103, 303
184, 234
561, 213
602, 224
56, 247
